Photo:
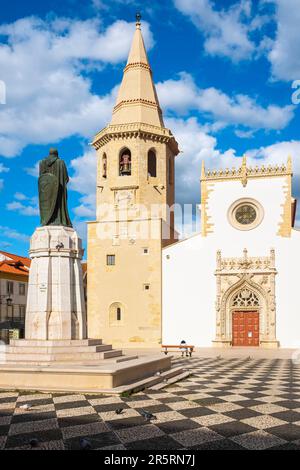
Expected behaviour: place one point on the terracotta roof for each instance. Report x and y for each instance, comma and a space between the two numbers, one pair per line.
14, 264
9, 267
16, 258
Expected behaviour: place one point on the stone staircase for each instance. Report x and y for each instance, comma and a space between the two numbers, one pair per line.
81, 352
82, 366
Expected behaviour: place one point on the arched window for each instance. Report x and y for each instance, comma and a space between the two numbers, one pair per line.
116, 314
119, 314
125, 162
151, 164
104, 166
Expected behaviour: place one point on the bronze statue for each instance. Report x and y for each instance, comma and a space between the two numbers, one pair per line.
53, 181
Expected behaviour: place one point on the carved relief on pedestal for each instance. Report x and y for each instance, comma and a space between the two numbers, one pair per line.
246, 284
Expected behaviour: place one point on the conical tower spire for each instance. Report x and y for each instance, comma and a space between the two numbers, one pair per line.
137, 100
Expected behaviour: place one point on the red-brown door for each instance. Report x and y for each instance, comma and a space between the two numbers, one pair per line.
245, 329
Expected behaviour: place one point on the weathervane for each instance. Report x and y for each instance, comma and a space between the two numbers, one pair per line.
138, 17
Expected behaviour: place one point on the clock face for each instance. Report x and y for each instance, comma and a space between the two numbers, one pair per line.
245, 214
124, 197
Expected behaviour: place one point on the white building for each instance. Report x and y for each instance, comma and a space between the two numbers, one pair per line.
14, 273
236, 283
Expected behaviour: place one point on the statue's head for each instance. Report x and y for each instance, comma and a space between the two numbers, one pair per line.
53, 152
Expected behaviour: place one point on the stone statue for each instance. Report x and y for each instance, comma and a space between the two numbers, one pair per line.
53, 181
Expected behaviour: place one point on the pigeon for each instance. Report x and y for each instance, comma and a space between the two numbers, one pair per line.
26, 406
85, 444
34, 442
119, 411
148, 416
158, 373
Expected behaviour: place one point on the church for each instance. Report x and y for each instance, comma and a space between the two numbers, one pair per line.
233, 284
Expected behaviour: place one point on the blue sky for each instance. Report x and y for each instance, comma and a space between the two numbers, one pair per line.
224, 72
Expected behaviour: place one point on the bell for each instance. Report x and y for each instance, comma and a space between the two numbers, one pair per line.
125, 165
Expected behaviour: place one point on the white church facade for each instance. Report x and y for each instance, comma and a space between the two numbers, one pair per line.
236, 283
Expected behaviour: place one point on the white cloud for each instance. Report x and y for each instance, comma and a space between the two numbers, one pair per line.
42, 64
33, 171
244, 134
13, 234
28, 206
5, 244
84, 172
83, 181
197, 145
183, 95
103, 5
84, 41
226, 31
284, 54
85, 210
20, 196
277, 154
3, 169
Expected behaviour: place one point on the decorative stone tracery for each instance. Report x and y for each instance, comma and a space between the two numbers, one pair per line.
246, 283
245, 298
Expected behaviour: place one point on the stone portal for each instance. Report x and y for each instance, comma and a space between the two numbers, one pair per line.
246, 285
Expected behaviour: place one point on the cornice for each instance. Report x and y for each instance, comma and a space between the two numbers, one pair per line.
134, 130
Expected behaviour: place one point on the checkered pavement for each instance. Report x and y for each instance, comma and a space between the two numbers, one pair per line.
224, 404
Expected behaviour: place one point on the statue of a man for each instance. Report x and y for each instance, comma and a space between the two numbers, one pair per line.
53, 181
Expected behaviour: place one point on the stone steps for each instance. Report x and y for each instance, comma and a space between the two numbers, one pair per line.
154, 382
170, 379
110, 360
59, 349
80, 352
55, 342
38, 357
108, 377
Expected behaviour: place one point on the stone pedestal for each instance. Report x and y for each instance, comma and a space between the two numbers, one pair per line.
55, 304
55, 354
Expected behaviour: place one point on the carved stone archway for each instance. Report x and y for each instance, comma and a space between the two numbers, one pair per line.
255, 276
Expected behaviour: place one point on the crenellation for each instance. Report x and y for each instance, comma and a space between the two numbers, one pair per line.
248, 172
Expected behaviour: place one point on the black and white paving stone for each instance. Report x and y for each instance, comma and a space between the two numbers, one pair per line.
225, 404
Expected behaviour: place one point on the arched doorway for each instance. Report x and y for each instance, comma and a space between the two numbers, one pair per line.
245, 308
246, 285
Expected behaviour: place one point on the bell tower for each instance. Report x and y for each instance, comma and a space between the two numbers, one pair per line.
135, 190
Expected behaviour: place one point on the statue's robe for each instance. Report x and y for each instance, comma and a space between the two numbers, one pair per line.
53, 192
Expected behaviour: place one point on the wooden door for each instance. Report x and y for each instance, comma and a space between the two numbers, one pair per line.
245, 329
